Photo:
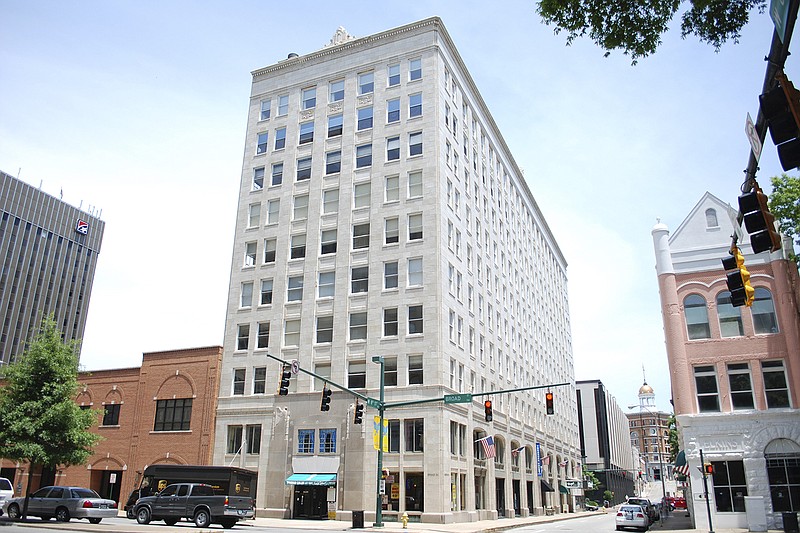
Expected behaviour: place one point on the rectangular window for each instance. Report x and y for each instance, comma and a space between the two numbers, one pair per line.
333, 162
254, 439
775, 386
359, 280
390, 371
358, 326
304, 169
360, 236
363, 156
306, 132
305, 441
392, 187
328, 242
414, 435
258, 178
415, 105
415, 370
247, 294
394, 436
740, 384
262, 340
357, 375
415, 227
415, 143
277, 173
111, 414
300, 207
415, 321
415, 272
239, 375
280, 138
273, 211
393, 148
173, 415
336, 92
243, 337
415, 184
390, 276
261, 147
415, 69
283, 105
327, 441
393, 110
366, 83
390, 322
266, 292
291, 333
361, 195
260, 380
392, 230
705, 379
330, 201
295, 289
234, 439
394, 75
264, 110
365, 118
298, 246
270, 246
327, 284
254, 215
324, 329
310, 98
730, 486
335, 125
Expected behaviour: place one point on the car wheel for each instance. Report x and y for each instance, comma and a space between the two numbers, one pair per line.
13, 512
94, 520
62, 514
619, 528
130, 514
143, 515
202, 518
170, 521
228, 523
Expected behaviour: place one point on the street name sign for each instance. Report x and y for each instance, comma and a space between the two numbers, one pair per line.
457, 398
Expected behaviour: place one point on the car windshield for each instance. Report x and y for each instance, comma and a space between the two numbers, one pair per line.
84, 493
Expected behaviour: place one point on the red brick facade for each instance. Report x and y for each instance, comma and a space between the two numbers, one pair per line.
131, 444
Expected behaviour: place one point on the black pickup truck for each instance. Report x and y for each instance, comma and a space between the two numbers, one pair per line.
195, 502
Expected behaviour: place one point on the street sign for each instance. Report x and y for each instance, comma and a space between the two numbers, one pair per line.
457, 398
752, 136
295, 366
779, 12
573, 483
375, 404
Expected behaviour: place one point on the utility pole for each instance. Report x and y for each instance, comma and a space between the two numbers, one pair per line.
705, 491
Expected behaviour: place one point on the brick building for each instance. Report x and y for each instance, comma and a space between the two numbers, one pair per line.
161, 412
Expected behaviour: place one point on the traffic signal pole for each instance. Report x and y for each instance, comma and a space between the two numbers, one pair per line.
705, 491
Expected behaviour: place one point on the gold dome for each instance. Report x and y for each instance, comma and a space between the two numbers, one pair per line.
645, 389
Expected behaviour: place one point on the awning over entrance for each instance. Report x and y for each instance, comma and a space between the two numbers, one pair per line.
547, 487
328, 480
681, 465
563, 490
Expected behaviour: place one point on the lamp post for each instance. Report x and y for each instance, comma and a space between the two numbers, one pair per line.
379, 494
660, 459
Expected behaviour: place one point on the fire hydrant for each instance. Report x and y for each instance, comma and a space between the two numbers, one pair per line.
404, 520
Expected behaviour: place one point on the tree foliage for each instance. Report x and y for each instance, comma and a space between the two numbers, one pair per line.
672, 439
39, 419
635, 27
784, 204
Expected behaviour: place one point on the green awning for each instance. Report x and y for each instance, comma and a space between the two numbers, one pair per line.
562, 489
680, 459
328, 480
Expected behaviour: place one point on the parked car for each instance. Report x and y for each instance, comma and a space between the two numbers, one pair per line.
678, 503
6, 492
633, 516
63, 504
196, 502
650, 510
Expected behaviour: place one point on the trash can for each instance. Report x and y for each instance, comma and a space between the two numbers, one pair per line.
790, 523
358, 519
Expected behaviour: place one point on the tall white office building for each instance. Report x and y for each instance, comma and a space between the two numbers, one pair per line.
381, 215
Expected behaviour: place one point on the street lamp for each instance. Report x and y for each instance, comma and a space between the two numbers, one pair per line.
660, 458
378, 493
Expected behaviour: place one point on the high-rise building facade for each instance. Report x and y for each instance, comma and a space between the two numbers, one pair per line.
381, 215
49, 253
735, 371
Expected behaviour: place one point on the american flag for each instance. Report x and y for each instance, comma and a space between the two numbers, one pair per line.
563, 464
488, 446
683, 469
545, 460
516, 451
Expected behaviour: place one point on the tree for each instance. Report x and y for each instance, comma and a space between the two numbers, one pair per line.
39, 420
784, 204
672, 439
635, 26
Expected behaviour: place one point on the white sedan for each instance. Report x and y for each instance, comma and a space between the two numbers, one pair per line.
633, 516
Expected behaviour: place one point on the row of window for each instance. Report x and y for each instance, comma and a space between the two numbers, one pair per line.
776, 390
730, 317
730, 483
336, 89
324, 327
171, 415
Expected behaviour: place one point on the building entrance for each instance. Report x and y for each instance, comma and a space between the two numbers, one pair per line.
310, 501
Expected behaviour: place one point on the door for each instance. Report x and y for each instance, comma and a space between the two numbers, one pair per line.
516, 488
500, 491
310, 502
107, 483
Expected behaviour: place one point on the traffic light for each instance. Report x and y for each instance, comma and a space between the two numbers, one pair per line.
548, 401
760, 223
325, 405
487, 410
358, 418
286, 375
781, 107
708, 469
738, 279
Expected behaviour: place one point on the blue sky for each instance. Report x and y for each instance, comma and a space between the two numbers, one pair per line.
139, 109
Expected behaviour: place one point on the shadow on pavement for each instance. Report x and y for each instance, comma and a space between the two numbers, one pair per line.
677, 520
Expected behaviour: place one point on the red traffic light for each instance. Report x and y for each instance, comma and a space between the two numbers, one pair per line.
548, 400
487, 409
709, 468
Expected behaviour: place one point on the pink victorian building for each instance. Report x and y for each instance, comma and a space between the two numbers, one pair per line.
735, 371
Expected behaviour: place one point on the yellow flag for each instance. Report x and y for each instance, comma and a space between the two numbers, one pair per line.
376, 424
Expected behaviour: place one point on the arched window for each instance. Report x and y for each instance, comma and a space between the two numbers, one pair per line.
763, 310
730, 318
711, 218
783, 460
694, 308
